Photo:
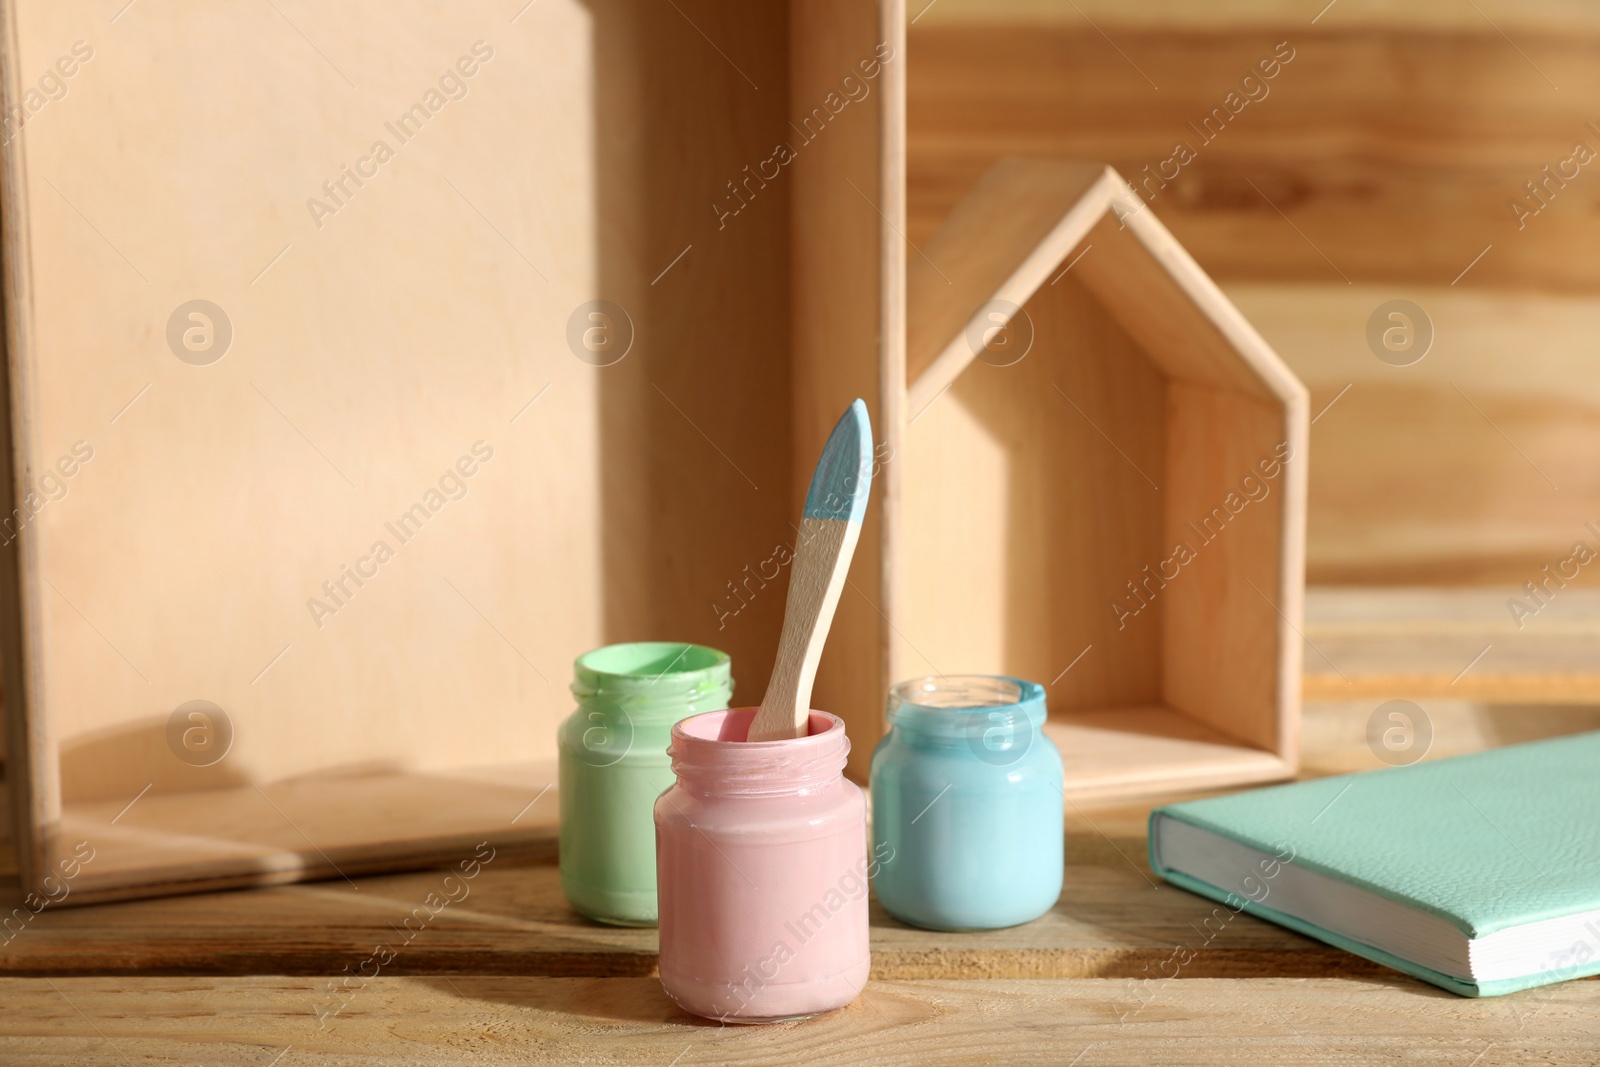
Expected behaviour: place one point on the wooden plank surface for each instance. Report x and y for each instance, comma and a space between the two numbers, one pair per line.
1114, 919
1132, 750
509, 974
399, 1021
1455, 644
308, 828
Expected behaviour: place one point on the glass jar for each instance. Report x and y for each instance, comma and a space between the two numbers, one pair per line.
967, 798
761, 853
613, 765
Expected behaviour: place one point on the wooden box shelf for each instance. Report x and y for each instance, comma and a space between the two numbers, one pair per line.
396, 317
1098, 484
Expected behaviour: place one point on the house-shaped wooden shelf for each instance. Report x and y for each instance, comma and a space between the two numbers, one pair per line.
1101, 480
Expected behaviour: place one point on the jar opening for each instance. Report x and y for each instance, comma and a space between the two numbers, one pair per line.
956, 691
734, 725
650, 659
710, 751
966, 705
651, 682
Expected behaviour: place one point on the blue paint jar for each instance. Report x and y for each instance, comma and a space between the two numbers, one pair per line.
967, 804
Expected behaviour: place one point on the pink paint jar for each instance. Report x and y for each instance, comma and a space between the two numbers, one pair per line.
761, 871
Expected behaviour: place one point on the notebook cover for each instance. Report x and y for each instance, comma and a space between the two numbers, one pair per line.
1484, 841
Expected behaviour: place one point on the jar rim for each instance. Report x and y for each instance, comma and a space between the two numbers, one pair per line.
637, 668
730, 728
965, 705
711, 748
960, 694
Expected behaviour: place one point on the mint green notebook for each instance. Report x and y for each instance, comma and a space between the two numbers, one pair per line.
1480, 874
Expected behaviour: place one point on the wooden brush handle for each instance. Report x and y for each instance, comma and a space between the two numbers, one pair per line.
821, 562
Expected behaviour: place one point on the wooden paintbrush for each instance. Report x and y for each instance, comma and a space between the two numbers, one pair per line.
835, 505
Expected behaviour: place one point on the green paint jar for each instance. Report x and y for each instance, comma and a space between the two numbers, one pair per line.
614, 765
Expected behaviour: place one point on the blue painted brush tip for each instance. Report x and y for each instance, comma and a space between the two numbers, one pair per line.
843, 479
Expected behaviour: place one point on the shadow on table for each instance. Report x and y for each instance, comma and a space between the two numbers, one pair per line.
633, 1000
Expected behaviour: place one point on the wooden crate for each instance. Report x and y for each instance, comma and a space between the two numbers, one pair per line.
395, 317
1099, 484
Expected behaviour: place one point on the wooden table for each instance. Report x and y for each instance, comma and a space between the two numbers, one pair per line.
510, 974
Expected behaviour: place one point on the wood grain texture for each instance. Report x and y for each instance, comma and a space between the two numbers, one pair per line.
1384, 159
306, 828
1114, 918
1438, 15
1392, 145
183, 558
1081, 491
422, 309
1002, 242
1154, 287
1153, 751
630, 1021
1336, 736
1031, 499
823, 551
1469, 466
1231, 654
848, 279
513, 920
1110, 923
1453, 644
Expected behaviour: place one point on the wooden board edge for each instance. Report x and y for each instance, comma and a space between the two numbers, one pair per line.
1025, 279
292, 867
31, 770
1204, 293
1282, 384
1195, 778
1568, 689
1045, 963
1292, 569
937, 961
848, 323
534, 963
894, 312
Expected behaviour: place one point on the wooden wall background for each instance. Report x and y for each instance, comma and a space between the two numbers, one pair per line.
1379, 166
